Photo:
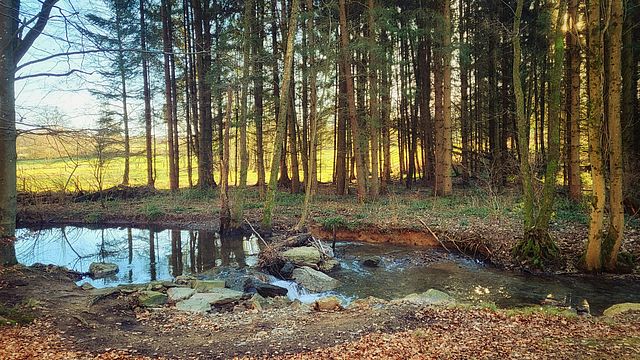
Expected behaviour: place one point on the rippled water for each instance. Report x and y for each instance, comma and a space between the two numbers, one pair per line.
146, 254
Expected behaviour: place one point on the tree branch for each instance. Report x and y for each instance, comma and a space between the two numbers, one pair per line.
52, 74
25, 43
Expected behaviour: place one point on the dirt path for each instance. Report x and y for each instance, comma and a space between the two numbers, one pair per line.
75, 323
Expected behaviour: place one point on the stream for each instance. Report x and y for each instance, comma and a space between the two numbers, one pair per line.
145, 255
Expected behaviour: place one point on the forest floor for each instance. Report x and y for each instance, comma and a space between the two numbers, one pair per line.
477, 221
71, 323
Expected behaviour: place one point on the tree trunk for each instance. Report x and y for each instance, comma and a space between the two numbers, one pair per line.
12, 49
146, 90
168, 110
342, 182
313, 100
258, 34
573, 103
386, 111
8, 29
351, 103
123, 93
226, 221
615, 233
374, 112
282, 118
595, 69
202, 28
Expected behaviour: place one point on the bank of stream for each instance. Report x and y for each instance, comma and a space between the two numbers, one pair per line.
384, 271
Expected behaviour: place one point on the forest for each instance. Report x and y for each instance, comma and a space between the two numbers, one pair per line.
297, 162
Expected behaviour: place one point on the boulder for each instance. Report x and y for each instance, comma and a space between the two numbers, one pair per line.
329, 303
430, 297
179, 293
205, 286
371, 261
314, 280
202, 302
621, 308
152, 298
329, 265
99, 270
254, 285
303, 256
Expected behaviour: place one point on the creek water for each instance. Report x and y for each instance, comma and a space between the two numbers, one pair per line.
144, 255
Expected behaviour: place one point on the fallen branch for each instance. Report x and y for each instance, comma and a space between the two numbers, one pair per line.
256, 233
433, 234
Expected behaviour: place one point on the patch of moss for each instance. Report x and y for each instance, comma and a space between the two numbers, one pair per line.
16, 315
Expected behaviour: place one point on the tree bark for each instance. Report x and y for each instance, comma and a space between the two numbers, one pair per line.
351, 103
146, 91
595, 69
282, 118
615, 232
573, 103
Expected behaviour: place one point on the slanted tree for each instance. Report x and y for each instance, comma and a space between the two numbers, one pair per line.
282, 117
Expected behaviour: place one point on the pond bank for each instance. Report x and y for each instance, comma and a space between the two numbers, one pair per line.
481, 226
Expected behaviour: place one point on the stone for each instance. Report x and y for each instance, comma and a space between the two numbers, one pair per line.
205, 286
256, 302
99, 270
155, 286
287, 269
298, 240
264, 289
87, 286
314, 280
303, 256
152, 298
329, 265
330, 303
179, 293
202, 302
430, 297
371, 261
184, 280
621, 308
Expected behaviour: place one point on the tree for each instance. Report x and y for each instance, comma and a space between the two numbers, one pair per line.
146, 93
537, 245
444, 144
351, 102
282, 117
615, 231
13, 47
202, 28
595, 69
116, 35
310, 180
572, 90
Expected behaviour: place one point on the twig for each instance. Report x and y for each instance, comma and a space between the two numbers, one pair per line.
433, 234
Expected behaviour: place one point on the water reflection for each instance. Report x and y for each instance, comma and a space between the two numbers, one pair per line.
142, 254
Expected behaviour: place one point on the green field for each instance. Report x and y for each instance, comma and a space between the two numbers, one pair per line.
60, 174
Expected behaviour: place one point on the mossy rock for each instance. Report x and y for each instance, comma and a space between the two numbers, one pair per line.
621, 308
152, 298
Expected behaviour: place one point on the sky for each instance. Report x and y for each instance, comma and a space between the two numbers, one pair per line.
39, 97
